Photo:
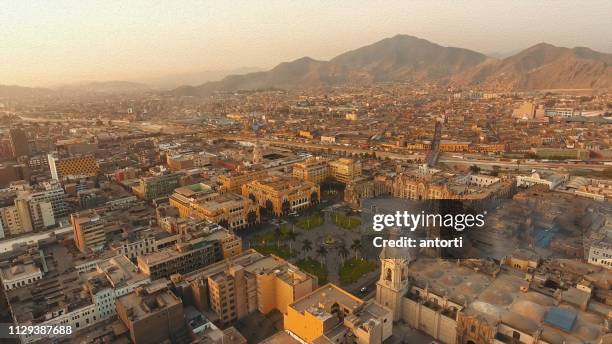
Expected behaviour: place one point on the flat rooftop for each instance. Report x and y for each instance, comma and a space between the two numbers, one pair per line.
324, 297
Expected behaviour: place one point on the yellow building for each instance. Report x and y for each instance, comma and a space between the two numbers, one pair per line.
82, 165
10, 221
345, 170
248, 283
330, 314
282, 195
234, 182
177, 162
183, 197
228, 209
89, 233
454, 146
314, 170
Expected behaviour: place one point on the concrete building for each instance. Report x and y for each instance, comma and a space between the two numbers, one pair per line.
550, 180
528, 110
345, 170
282, 195
112, 278
249, 282
150, 188
19, 275
191, 255
72, 166
19, 143
89, 233
314, 170
601, 254
10, 221
151, 313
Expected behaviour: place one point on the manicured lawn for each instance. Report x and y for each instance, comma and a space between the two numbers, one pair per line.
353, 268
314, 267
310, 221
282, 251
346, 222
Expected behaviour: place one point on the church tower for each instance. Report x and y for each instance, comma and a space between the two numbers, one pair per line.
393, 282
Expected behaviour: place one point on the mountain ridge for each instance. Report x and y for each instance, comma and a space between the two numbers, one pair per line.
408, 58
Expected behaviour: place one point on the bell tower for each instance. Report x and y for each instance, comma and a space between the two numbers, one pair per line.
393, 282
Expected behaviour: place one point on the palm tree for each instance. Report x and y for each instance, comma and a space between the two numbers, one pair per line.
343, 253
356, 246
322, 252
291, 236
278, 233
306, 246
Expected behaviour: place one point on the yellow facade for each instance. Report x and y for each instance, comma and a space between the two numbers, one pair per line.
84, 165
345, 170
312, 170
234, 210
234, 182
311, 316
282, 195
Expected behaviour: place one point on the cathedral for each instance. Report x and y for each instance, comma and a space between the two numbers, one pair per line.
478, 302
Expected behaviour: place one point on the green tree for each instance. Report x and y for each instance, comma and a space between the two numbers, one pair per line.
343, 252
291, 236
355, 246
322, 253
306, 246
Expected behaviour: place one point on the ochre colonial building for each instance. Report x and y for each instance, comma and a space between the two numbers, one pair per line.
282, 195
234, 182
235, 211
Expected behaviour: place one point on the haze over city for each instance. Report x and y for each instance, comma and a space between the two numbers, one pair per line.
306, 172
51, 43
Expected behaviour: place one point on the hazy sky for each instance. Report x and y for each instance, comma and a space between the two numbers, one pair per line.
50, 42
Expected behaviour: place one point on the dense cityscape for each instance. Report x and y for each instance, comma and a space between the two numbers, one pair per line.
239, 211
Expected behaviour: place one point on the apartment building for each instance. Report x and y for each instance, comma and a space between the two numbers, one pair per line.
151, 314
187, 256
249, 282
150, 188
345, 170
314, 170
89, 233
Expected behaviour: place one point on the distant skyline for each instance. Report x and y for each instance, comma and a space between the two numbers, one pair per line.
47, 43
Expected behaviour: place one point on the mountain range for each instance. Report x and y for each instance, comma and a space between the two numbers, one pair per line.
401, 58
406, 58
